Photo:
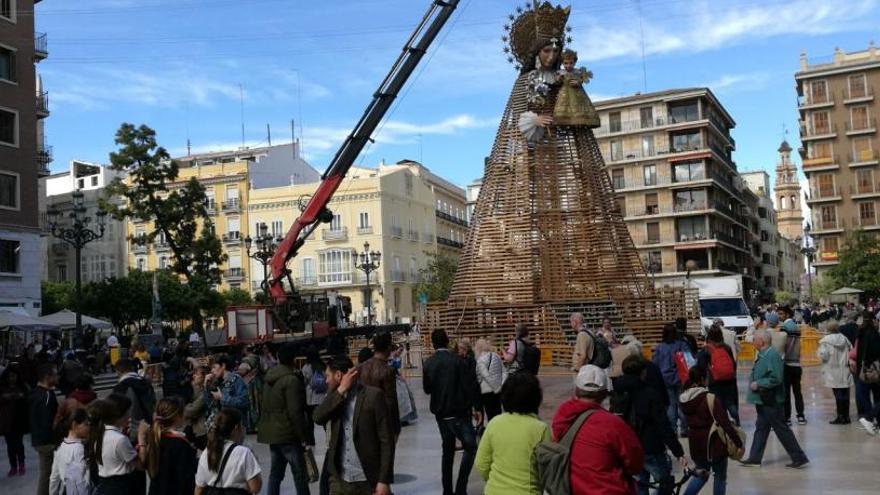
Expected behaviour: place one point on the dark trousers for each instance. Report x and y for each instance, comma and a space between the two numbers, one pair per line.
491, 405
15, 449
463, 430
770, 417
674, 412
864, 393
727, 393
283, 455
841, 399
659, 467
792, 379
338, 486
47, 455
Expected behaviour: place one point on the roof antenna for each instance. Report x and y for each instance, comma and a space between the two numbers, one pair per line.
188, 144
642, 38
241, 100
268, 134
293, 142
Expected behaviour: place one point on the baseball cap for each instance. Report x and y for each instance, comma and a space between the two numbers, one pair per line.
591, 378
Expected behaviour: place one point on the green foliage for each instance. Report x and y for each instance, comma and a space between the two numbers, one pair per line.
57, 296
437, 277
236, 297
123, 301
783, 297
823, 287
859, 263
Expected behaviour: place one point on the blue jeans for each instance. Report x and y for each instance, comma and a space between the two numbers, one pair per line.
284, 454
659, 467
463, 430
674, 411
719, 472
864, 391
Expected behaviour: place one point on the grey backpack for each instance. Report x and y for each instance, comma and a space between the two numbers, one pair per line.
553, 460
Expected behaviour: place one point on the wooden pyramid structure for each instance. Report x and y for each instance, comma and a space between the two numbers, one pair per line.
546, 240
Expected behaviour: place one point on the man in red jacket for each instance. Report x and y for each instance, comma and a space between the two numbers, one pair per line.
606, 453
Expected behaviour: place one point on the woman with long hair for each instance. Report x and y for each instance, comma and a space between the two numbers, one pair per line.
171, 459
225, 463
111, 457
196, 411
14, 416
70, 472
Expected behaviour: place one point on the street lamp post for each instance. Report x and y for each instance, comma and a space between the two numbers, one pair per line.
267, 244
809, 250
77, 234
368, 261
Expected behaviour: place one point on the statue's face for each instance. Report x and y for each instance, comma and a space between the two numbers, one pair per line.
547, 56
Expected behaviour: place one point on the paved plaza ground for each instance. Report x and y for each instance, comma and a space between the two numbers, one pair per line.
844, 460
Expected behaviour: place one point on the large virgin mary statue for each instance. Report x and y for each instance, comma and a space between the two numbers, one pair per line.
547, 237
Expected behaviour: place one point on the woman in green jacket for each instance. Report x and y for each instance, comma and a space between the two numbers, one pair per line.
504, 457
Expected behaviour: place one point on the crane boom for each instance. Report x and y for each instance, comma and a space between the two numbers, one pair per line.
309, 219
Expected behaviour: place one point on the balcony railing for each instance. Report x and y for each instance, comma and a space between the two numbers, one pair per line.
864, 188
862, 94
412, 235
43, 104
451, 218
812, 131
233, 237
862, 125
335, 234
398, 276
309, 281
343, 278
232, 205
162, 246
865, 221
619, 156
723, 208
211, 207
682, 207
449, 242
863, 156
428, 237
818, 161
60, 248
366, 230
396, 232
44, 155
810, 99
817, 193
234, 273
41, 46
139, 248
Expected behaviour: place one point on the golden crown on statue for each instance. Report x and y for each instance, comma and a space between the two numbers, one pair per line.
532, 27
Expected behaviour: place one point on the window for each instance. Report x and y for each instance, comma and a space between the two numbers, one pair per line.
691, 229
865, 181
233, 226
413, 269
687, 112
336, 223
655, 261
9, 256
62, 273
614, 124
308, 270
653, 231
277, 228
686, 142
210, 202
829, 249
859, 118
232, 197
7, 64
7, 9
858, 88
364, 220
163, 262
94, 181
652, 206
821, 123
646, 116
688, 171
826, 186
647, 145
335, 266
616, 150
818, 92
142, 264
9, 127
828, 216
617, 179
820, 150
621, 205
80, 183
650, 174
8, 190
866, 213
690, 200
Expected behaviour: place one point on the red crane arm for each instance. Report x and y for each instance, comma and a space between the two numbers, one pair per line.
308, 221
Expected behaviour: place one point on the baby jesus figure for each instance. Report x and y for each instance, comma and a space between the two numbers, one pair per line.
573, 106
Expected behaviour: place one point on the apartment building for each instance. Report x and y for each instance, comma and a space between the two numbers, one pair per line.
669, 156
229, 178
24, 156
403, 210
838, 130
102, 258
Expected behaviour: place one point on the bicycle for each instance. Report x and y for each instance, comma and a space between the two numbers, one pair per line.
672, 487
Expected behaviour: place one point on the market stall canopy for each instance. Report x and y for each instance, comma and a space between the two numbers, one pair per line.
14, 321
845, 294
845, 291
67, 319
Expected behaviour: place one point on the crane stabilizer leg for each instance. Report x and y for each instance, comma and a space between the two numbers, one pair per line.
413, 51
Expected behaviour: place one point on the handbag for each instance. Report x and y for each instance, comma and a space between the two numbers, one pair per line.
733, 451
870, 372
213, 489
311, 465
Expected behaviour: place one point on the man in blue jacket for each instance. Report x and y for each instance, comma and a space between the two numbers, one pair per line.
766, 393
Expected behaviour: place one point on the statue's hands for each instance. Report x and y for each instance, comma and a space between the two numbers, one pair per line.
545, 120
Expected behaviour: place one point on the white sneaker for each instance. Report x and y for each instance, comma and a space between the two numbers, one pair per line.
868, 425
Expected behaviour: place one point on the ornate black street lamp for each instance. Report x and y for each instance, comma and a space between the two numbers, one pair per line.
809, 251
367, 262
77, 234
267, 244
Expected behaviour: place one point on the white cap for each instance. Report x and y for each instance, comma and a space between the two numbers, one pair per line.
591, 378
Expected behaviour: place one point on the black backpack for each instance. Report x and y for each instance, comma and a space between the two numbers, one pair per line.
601, 351
531, 357
621, 403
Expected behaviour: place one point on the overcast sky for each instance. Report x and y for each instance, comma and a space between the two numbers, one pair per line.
182, 66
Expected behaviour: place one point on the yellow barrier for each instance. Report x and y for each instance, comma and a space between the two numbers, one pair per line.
746, 352
114, 355
810, 346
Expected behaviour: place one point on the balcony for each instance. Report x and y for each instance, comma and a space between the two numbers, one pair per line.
449, 242
211, 207
863, 158
811, 132
859, 96
690, 206
365, 230
819, 163
335, 234
41, 46
232, 238
633, 155
728, 211
43, 105
413, 235
428, 237
336, 279
43, 159
822, 194
396, 232
398, 276
232, 206
234, 274
625, 126
861, 126
60, 248
162, 247
308, 281
139, 247
450, 218
809, 101
864, 190
865, 222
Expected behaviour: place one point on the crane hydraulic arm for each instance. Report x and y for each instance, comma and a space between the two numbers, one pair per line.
316, 209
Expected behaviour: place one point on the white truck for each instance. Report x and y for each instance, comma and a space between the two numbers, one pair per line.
722, 297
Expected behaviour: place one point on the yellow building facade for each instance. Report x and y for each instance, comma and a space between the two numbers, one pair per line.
403, 211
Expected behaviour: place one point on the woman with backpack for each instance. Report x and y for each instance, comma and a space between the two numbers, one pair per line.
705, 415
226, 466
664, 358
719, 364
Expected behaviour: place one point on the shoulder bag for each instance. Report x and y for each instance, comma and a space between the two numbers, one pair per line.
733, 451
213, 489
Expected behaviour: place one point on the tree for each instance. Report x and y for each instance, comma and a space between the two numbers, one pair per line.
858, 263
783, 297
56, 296
437, 277
177, 211
124, 301
236, 297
